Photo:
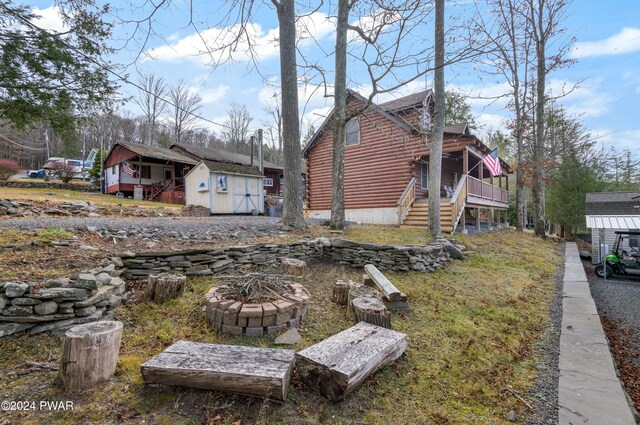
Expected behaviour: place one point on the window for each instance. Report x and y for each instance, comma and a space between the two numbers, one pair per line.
424, 175
352, 132
268, 182
221, 182
113, 170
146, 172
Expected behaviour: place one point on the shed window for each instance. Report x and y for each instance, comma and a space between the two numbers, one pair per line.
352, 132
221, 182
424, 175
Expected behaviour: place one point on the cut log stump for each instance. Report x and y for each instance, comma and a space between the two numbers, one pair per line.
371, 310
359, 291
165, 286
261, 372
90, 354
341, 291
293, 266
339, 364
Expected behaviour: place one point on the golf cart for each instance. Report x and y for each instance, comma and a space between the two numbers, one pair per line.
619, 261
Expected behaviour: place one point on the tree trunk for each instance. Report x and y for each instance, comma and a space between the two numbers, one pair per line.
340, 294
164, 287
339, 117
292, 212
90, 354
435, 151
372, 311
539, 140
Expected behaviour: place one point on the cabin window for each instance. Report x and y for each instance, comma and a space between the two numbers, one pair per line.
268, 182
145, 172
221, 182
113, 170
352, 132
424, 175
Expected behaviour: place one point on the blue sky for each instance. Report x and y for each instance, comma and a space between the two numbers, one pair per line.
607, 53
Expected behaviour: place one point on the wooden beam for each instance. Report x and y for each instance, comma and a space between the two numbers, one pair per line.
261, 372
339, 364
388, 289
465, 161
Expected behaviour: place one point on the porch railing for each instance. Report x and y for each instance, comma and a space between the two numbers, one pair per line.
458, 201
406, 200
484, 190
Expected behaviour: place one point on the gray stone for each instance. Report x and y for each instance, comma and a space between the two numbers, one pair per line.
12, 328
51, 326
18, 310
221, 264
3, 302
35, 319
511, 416
70, 294
254, 332
87, 281
103, 293
85, 311
25, 301
109, 268
276, 328
103, 279
102, 303
117, 261
66, 310
127, 254
58, 282
290, 337
115, 301
15, 289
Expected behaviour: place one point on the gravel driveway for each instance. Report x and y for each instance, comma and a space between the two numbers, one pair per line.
618, 303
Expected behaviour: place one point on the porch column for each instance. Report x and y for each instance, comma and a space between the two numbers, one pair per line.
465, 161
480, 177
506, 219
463, 222
478, 219
491, 219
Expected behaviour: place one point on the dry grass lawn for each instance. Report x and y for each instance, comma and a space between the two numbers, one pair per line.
471, 333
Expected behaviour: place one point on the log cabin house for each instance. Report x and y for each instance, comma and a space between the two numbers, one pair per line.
158, 173
386, 168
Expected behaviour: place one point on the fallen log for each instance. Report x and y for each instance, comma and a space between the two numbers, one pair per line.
261, 372
339, 364
90, 354
388, 289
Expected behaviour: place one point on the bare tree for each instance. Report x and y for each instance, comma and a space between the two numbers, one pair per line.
274, 126
185, 105
236, 130
435, 148
151, 101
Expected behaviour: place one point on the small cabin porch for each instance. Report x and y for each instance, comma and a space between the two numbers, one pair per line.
468, 195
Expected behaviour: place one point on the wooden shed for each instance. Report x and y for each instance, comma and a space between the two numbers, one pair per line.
225, 188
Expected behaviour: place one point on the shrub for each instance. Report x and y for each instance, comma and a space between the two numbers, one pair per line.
8, 168
62, 171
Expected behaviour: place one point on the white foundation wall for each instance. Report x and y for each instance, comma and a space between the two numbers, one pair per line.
362, 215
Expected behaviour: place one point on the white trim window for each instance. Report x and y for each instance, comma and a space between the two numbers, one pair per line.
268, 182
424, 175
221, 182
352, 132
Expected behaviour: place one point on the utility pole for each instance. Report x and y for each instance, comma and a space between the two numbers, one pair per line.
260, 155
251, 140
84, 151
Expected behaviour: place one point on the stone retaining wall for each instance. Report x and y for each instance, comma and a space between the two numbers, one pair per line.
207, 261
47, 185
256, 319
61, 302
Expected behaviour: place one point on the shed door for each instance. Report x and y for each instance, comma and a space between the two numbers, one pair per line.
246, 194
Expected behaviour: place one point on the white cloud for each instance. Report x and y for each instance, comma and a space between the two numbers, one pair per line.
588, 100
49, 19
215, 45
626, 41
616, 139
210, 95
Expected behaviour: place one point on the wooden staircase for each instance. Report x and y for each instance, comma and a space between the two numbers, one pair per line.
418, 216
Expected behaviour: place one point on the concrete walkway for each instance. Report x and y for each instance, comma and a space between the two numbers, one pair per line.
589, 389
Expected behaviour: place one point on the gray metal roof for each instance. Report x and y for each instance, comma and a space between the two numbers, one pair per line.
219, 155
612, 203
157, 152
613, 221
232, 168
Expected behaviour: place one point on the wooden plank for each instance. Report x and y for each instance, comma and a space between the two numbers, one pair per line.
339, 364
261, 372
388, 289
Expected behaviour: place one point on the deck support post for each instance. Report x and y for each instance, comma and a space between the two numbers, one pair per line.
478, 219
463, 221
491, 219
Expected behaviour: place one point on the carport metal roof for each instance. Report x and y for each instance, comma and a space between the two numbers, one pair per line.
613, 221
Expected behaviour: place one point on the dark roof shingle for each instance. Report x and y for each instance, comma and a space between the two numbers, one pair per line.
612, 203
219, 155
157, 152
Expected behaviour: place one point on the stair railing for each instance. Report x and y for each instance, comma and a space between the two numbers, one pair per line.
458, 201
406, 200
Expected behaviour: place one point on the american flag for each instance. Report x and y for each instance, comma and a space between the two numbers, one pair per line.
492, 162
127, 168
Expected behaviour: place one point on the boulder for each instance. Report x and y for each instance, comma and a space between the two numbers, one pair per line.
58, 282
103, 279
47, 307
15, 289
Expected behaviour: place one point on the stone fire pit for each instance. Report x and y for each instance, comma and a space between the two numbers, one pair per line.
253, 317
